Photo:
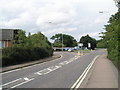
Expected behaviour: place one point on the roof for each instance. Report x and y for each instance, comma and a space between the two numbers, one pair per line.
7, 34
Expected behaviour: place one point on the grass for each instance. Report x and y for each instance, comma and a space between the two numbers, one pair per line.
83, 51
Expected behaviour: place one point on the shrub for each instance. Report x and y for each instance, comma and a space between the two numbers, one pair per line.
17, 55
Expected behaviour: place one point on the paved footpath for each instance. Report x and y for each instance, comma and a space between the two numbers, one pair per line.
102, 75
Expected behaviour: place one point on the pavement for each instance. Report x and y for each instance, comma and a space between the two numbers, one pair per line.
102, 75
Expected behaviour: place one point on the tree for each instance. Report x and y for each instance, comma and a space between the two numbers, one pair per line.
20, 39
27, 48
102, 42
87, 39
112, 37
68, 40
39, 40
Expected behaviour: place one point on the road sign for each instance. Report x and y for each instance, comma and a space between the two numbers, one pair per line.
89, 45
80, 44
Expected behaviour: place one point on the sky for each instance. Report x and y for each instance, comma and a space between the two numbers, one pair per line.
73, 17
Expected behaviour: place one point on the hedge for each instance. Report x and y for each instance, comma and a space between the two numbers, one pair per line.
18, 55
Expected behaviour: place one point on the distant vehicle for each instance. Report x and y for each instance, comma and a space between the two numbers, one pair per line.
70, 49
75, 48
65, 49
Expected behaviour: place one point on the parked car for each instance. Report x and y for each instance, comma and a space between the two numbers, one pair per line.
70, 49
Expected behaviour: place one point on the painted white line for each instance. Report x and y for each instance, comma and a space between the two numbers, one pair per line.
26, 78
49, 69
82, 77
78, 79
22, 83
10, 71
53, 68
41, 63
58, 66
38, 73
11, 82
44, 71
63, 63
86, 72
47, 72
28, 66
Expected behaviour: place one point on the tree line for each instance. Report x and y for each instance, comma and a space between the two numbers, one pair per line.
70, 41
110, 39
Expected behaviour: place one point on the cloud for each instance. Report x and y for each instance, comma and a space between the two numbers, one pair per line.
74, 17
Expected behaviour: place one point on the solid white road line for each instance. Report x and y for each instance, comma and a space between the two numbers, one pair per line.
78, 85
79, 79
10, 71
82, 77
11, 82
22, 83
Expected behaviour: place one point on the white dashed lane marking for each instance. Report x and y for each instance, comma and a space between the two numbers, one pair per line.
41, 72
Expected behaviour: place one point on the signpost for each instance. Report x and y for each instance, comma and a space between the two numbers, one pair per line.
89, 45
81, 45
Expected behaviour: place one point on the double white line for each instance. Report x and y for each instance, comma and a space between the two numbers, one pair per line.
77, 84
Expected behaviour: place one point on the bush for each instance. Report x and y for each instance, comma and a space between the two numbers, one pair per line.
26, 48
17, 55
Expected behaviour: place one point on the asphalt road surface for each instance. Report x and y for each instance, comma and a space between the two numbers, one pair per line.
59, 73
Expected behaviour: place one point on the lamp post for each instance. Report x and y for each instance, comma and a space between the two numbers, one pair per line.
62, 42
61, 33
102, 12
105, 12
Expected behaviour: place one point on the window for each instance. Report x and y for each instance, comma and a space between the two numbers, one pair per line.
2, 44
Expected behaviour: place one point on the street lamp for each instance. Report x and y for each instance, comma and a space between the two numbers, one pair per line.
62, 42
102, 12
61, 33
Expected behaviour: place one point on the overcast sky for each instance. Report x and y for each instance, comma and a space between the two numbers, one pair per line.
73, 17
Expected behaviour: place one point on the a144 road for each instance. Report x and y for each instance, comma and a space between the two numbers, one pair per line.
63, 72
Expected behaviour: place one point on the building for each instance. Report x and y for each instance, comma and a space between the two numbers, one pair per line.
7, 36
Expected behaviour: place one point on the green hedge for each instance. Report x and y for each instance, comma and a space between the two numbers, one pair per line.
17, 55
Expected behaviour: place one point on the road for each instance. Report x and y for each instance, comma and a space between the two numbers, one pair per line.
59, 73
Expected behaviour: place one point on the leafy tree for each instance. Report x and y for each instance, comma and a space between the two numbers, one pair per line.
20, 39
68, 40
87, 39
27, 48
35, 40
102, 42
112, 36
38, 40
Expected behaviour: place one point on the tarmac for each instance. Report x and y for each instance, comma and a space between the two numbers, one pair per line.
103, 73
